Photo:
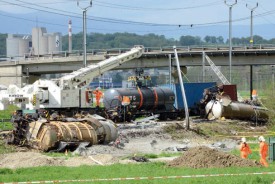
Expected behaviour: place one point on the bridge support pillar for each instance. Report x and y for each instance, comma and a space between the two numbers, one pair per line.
13, 74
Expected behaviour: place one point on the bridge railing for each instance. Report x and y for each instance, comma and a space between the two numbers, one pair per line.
212, 47
116, 51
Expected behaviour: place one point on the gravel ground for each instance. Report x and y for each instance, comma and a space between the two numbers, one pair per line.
136, 139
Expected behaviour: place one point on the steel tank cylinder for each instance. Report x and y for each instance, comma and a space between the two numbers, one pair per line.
236, 110
50, 134
142, 98
105, 129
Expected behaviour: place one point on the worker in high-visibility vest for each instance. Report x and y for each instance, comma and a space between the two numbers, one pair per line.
98, 94
263, 150
245, 149
254, 95
125, 100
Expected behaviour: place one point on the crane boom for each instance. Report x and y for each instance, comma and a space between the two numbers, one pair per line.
69, 91
83, 76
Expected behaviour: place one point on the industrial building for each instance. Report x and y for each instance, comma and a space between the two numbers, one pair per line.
18, 45
45, 43
39, 43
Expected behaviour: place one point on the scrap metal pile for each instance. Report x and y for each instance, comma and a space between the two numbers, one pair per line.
34, 130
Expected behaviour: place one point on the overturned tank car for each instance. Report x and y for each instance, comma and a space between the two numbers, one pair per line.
58, 135
226, 108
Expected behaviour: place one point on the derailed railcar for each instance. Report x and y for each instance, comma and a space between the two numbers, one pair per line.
142, 101
193, 92
32, 129
217, 109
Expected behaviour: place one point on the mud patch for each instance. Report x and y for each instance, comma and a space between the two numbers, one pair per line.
204, 157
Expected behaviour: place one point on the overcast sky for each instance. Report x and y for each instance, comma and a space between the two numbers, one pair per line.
139, 16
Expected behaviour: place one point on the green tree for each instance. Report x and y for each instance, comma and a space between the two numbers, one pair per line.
259, 40
3, 44
190, 40
211, 39
220, 40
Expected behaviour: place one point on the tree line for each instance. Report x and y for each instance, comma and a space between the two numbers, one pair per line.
126, 40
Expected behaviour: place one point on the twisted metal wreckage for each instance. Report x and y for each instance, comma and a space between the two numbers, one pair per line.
34, 128
56, 135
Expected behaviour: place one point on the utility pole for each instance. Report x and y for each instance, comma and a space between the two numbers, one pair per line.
251, 22
187, 122
273, 77
230, 36
84, 10
170, 69
203, 66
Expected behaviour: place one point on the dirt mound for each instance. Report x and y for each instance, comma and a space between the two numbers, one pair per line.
27, 159
204, 157
33, 159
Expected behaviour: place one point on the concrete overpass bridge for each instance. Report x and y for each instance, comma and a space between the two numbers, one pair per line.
29, 68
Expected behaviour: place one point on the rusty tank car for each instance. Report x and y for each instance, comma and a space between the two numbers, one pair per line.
32, 129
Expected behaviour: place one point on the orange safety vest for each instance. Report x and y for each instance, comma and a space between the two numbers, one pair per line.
245, 149
125, 100
263, 149
97, 94
254, 92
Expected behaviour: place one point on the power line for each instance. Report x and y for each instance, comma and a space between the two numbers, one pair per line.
76, 15
267, 20
78, 27
118, 6
58, 2
101, 19
119, 21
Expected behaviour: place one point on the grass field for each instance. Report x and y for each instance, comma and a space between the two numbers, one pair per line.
136, 170
141, 170
6, 126
6, 114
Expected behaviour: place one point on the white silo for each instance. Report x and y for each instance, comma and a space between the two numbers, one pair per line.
37, 41
54, 43
58, 41
18, 45
24, 45
12, 45
44, 45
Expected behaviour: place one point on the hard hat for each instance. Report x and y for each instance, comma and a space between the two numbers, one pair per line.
261, 138
97, 88
243, 139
